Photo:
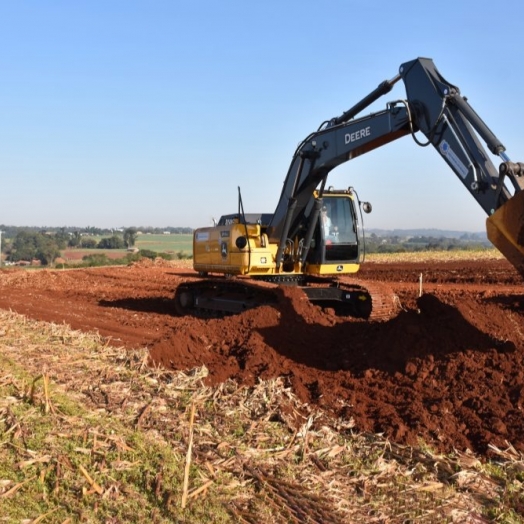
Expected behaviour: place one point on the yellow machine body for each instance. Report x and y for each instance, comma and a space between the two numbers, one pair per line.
237, 248
215, 250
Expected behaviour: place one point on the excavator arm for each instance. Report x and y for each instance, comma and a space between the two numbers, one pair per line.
433, 107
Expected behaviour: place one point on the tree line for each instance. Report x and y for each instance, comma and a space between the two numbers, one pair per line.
405, 244
45, 246
11, 231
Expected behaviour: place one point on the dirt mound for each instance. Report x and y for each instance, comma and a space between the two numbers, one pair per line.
448, 369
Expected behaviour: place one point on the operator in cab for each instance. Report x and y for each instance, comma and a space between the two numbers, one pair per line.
330, 230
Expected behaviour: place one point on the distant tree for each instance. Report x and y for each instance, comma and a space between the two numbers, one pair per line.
130, 235
88, 243
24, 246
96, 231
148, 253
62, 238
34, 245
9, 231
96, 260
114, 242
74, 239
48, 250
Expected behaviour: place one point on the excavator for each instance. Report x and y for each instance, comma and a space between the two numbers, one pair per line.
243, 256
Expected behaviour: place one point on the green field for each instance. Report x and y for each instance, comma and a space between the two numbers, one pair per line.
173, 243
178, 246
166, 243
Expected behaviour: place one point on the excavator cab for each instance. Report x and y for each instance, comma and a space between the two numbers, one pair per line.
338, 243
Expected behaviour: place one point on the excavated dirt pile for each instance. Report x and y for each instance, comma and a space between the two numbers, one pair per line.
447, 370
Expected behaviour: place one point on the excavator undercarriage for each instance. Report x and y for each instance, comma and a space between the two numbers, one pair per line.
216, 297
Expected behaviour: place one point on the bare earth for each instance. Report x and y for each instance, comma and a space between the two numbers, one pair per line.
448, 370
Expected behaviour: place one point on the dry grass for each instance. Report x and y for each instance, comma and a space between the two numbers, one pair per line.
90, 433
440, 256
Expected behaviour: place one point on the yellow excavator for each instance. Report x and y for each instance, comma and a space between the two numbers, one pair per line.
314, 238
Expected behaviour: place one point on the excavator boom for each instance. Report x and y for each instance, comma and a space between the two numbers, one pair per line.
435, 108
454, 128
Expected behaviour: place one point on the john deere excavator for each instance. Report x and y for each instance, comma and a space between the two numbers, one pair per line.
296, 244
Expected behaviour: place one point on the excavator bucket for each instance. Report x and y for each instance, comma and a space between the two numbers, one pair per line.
505, 230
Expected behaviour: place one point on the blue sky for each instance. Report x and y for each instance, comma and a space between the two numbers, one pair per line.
135, 113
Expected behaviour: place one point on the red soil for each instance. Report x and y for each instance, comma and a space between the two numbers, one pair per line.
76, 255
448, 370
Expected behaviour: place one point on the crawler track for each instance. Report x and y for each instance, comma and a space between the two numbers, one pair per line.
218, 297
385, 303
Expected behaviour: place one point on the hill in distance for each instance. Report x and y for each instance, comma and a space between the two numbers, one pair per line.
434, 233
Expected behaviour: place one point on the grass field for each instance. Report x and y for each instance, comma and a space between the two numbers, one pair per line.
443, 256
171, 244
166, 243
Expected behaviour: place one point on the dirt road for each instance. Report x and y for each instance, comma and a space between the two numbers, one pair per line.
449, 369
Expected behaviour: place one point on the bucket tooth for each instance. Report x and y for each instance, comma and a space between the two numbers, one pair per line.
505, 229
